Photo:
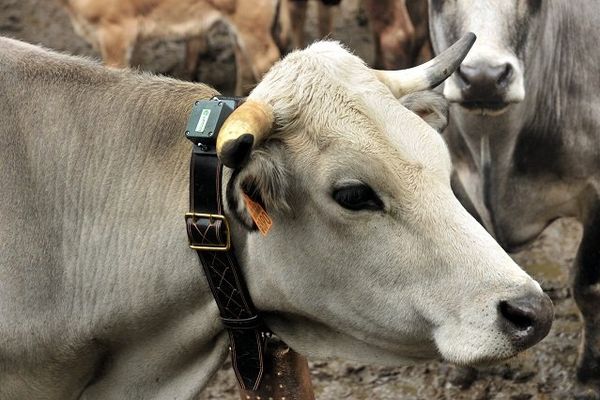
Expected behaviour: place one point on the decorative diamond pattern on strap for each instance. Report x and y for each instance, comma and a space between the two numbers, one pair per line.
224, 279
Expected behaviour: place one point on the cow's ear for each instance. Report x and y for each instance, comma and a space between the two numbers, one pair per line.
264, 180
429, 105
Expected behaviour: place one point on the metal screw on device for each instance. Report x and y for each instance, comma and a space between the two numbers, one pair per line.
203, 147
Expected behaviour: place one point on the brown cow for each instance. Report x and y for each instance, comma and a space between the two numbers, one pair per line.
297, 10
114, 27
400, 28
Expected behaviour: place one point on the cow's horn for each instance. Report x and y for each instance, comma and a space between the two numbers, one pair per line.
430, 74
244, 129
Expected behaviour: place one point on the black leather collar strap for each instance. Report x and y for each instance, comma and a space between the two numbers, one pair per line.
209, 234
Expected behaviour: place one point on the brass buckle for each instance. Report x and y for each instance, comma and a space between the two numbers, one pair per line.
211, 217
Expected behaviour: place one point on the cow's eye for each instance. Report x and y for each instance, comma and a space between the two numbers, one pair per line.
357, 197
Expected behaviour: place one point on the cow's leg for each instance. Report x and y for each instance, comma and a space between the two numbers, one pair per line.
256, 50
378, 57
252, 65
421, 46
243, 69
282, 30
326, 17
297, 20
586, 291
393, 32
194, 47
116, 43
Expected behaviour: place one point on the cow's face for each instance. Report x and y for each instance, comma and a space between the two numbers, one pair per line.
491, 77
370, 256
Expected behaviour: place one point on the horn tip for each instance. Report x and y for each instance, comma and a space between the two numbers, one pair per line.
470, 38
235, 153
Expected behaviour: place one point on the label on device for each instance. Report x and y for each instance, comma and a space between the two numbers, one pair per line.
203, 120
258, 215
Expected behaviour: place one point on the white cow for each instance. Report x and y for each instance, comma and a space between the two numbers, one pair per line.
370, 257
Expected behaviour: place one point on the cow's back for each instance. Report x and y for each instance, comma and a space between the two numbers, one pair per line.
95, 277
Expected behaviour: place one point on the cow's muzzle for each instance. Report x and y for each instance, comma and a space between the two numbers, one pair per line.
487, 87
526, 320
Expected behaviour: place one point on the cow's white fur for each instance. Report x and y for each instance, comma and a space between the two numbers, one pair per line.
336, 102
101, 298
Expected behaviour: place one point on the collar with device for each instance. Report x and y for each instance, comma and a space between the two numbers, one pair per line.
209, 234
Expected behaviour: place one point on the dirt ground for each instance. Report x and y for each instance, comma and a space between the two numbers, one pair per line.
544, 372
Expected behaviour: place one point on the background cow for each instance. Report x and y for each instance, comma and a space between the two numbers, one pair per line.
400, 28
114, 27
525, 130
370, 257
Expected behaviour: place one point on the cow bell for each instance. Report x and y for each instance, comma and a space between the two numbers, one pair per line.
286, 376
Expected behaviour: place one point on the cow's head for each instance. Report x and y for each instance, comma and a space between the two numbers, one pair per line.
492, 75
370, 256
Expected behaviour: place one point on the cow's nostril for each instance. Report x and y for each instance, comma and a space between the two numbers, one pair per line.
484, 85
521, 318
505, 75
526, 320
463, 77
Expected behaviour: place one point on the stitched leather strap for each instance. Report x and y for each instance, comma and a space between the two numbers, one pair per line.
208, 233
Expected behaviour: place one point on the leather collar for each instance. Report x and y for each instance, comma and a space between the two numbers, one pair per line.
209, 235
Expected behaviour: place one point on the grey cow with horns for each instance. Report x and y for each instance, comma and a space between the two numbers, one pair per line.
370, 257
524, 132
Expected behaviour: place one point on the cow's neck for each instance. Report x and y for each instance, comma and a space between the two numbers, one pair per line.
556, 78
116, 199
476, 129
548, 69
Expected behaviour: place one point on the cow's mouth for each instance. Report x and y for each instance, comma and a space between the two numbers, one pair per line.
485, 107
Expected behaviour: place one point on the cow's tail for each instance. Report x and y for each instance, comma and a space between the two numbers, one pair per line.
282, 26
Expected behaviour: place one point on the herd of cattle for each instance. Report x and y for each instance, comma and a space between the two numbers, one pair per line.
100, 297
260, 29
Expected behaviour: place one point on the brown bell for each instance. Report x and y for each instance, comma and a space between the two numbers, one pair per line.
286, 376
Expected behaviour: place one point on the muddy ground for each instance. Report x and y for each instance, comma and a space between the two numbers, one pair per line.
544, 372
